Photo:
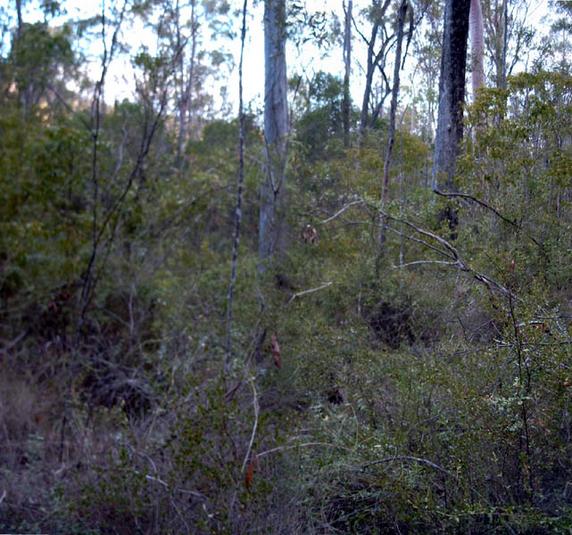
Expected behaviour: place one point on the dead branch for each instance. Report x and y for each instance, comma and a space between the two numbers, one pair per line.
311, 290
256, 406
340, 211
487, 207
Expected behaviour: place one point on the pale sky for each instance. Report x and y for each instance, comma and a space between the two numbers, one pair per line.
308, 60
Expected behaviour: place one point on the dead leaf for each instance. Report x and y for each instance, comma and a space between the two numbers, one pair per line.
276, 354
249, 475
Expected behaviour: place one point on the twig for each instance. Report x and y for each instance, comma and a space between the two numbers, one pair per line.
311, 290
254, 426
11, 344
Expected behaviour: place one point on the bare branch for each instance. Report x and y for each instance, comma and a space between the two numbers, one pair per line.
419, 262
311, 290
254, 426
340, 211
488, 207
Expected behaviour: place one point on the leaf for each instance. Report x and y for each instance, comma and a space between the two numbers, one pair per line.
276, 354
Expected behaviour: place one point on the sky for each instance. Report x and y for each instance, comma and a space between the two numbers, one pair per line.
306, 60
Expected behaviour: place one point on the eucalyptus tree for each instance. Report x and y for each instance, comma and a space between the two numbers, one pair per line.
190, 29
426, 44
451, 92
477, 46
272, 227
507, 36
376, 59
347, 102
402, 13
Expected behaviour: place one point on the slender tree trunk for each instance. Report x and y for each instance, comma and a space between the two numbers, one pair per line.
502, 77
393, 111
187, 82
239, 192
477, 46
19, 17
368, 83
272, 195
347, 103
451, 93
373, 60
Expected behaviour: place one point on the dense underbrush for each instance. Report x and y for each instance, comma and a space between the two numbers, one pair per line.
426, 388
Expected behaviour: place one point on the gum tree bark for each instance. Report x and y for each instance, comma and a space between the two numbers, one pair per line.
451, 93
272, 195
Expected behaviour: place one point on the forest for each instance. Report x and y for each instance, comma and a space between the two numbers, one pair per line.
285, 267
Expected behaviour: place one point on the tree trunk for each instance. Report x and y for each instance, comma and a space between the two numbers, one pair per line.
363, 120
502, 77
451, 93
19, 17
391, 133
373, 61
186, 83
271, 224
477, 46
239, 194
347, 103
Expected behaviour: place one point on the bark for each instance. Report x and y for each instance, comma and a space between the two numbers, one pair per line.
451, 93
477, 46
272, 196
393, 111
346, 106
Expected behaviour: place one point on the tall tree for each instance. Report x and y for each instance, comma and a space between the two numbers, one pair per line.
239, 194
507, 35
393, 111
346, 105
272, 194
477, 46
19, 17
451, 92
186, 79
375, 60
